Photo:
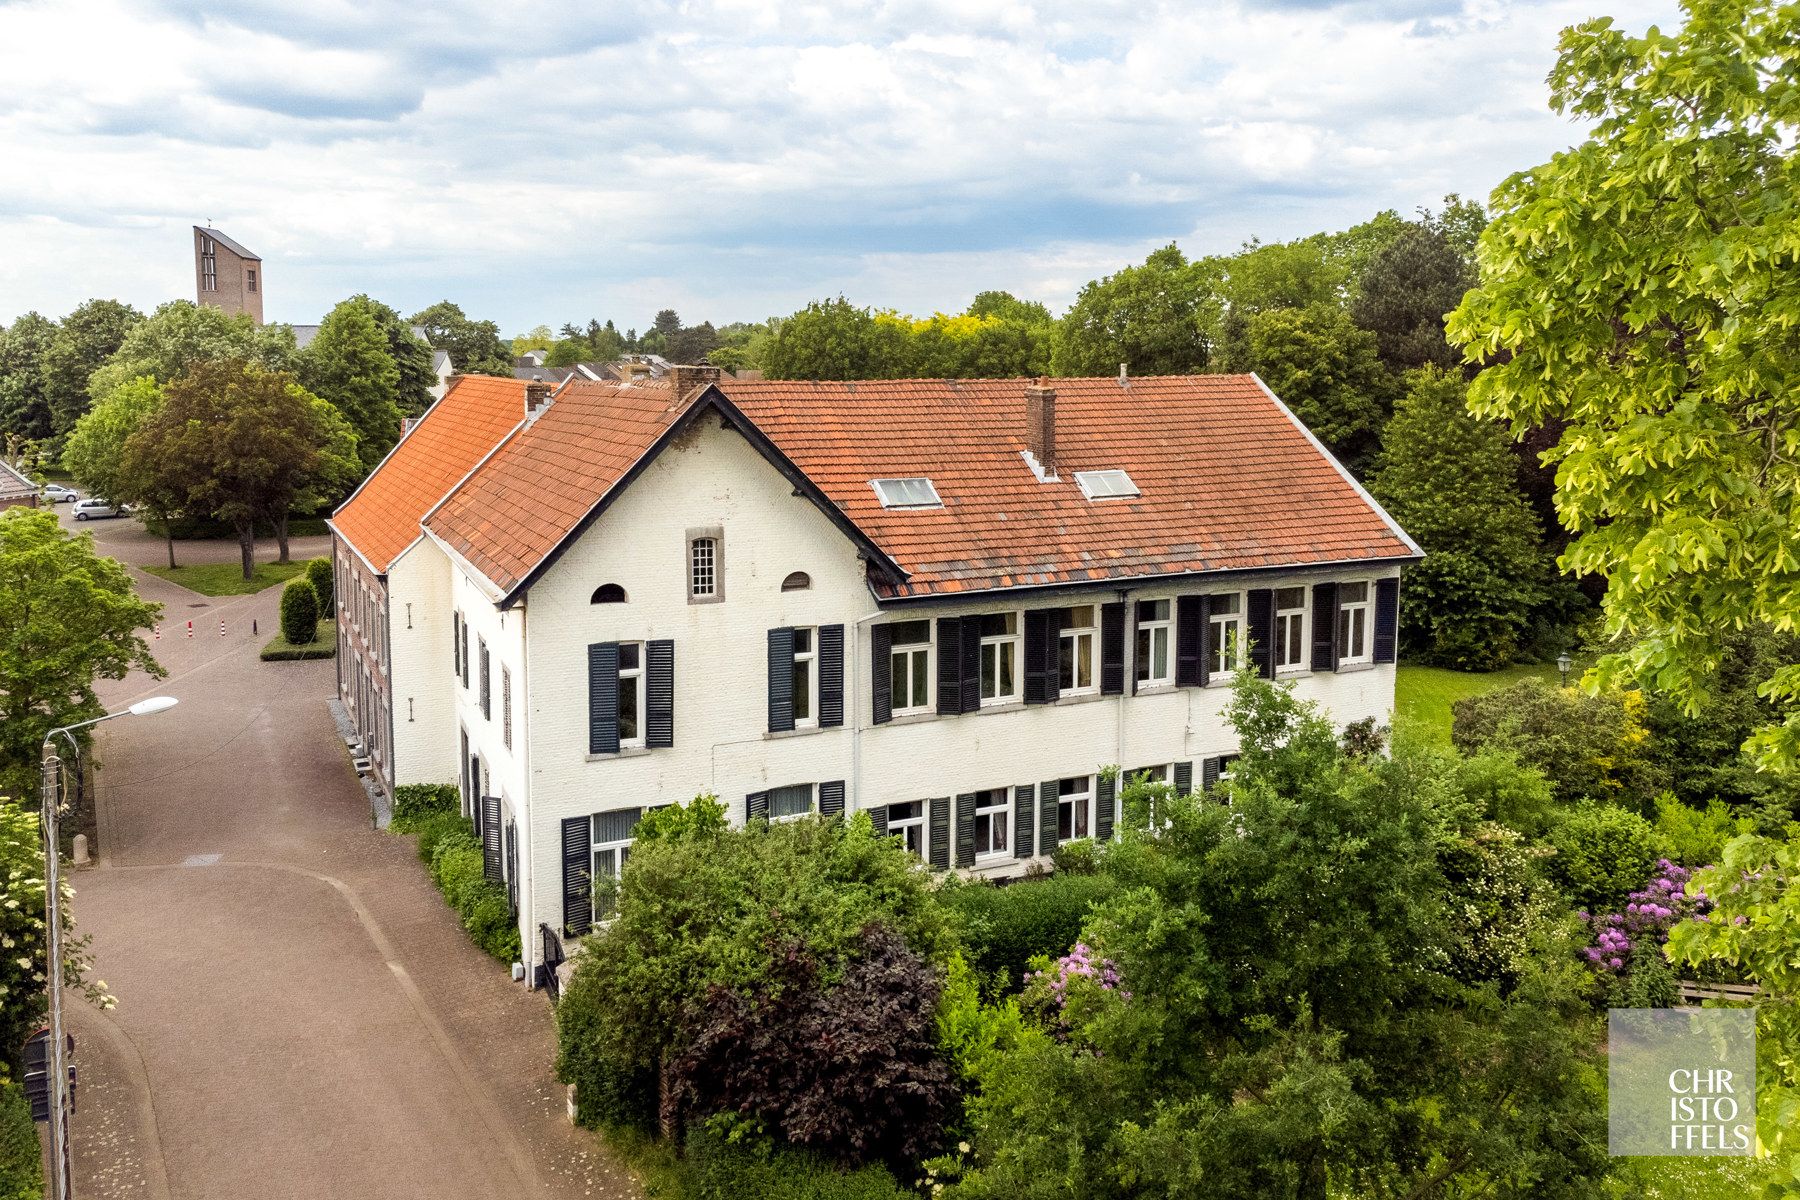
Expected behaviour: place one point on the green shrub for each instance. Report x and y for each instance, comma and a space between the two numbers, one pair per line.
416, 803
299, 613
1078, 857
720, 1169
1509, 792
434, 828
318, 573
1004, 927
1603, 854
1695, 837
21, 1171
1588, 747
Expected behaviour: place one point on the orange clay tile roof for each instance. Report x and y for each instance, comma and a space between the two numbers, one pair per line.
1229, 480
381, 518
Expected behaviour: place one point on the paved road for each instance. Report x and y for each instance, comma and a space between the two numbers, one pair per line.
299, 1014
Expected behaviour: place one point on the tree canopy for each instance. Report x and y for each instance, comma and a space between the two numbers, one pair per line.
180, 333
475, 347
84, 340
348, 365
1152, 317
24, 405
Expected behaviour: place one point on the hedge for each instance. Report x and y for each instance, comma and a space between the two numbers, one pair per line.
1603, 854
318, 573
452, 856
415, 803
716, 1169
299, 613
21, 1171
1003, 927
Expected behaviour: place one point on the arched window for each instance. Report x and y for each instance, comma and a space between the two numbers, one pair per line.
799, 581
608, 593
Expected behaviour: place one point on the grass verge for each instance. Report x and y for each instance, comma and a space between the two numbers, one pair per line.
1423, 695
227, 579
324, 645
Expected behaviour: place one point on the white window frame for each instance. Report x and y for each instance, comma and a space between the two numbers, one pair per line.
910, 830
999, 641
1290, 623
807, 660
703, 568
1081, 640
988, 807
1070, 800
1145, 656
812, 801
1225, 634
506, 705
636, 674
900, 666
914, 491
1110, 484
618, 851
1354, 619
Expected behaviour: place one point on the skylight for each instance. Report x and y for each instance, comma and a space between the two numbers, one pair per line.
1105, 485
906, 493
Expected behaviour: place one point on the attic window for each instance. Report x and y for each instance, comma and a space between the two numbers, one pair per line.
906, 493
799, 581
1105, 485
608, 593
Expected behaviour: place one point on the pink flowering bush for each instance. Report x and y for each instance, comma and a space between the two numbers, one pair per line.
1649, 915
1050, 988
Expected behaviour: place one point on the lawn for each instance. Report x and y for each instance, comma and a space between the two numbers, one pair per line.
1423, 695
323, 645
227, 579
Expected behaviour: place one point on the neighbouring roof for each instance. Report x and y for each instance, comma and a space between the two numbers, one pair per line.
303, 335
1228, 480
226, 242
382, 518
13, 484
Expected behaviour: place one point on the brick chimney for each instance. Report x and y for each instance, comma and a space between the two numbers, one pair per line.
1040, 424
537, 395
686, 379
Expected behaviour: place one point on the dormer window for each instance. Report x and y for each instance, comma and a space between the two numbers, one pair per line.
1105, 485
906, 493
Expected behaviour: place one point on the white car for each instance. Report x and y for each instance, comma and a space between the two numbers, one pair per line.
94, 508
56, 493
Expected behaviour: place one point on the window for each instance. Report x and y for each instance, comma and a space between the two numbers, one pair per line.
991, 812
907, 822
1160, 774
613, 833
1153, 663
790, 803
250, 280
1105, 485
1075, 650
209, 265
1074, 808
1353, 623
1000, 658
631, 695
703, 568
798, 581
608, 593
1290, 629
487, 711
1226, 637
506, 706
806, 678
910, 667
906, 493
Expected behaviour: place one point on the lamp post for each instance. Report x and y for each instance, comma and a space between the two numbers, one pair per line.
58, 1050
1563, 663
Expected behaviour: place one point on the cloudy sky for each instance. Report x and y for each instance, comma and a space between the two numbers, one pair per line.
543, 162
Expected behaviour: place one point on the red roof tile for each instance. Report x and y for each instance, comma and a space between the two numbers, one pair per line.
382, 518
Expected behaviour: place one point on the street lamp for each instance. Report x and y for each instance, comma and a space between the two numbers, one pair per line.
58, 1049
1563, 663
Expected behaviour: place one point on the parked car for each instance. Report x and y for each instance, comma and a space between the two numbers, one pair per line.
94, 508
56, 493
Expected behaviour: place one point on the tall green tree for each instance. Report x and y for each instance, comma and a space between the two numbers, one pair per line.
1641, 288
1326, 370
834, 339
412, 357
348, 365
84, 340
24, 406
475, 347
1154, 318
95, 452
68, 617
1408, 290
180, 333
1449, 479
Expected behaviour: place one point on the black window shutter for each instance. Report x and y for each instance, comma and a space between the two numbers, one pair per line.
456, 644
1040, 657
1209, 774
465, 654
603, 698
1387, 618
659, 699
512, 868
781, 679
1105, 800
949, 664
881, 674
1190, 633
1047, 816
965, 830
1024, 828
1260, 623
487, 711
491, 846
756, 807
577, 865
1184, 778
878, 818
831, 798
939, 829
831, 676
1112, 649
1324, 627
971, 664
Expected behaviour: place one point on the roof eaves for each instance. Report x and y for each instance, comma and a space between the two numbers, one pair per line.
493, 591
331, 524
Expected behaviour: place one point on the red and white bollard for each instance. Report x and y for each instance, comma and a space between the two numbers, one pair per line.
221, 626
157, 636
190, 631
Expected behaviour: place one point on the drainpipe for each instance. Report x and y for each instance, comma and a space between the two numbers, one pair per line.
526, 864
1130, 668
